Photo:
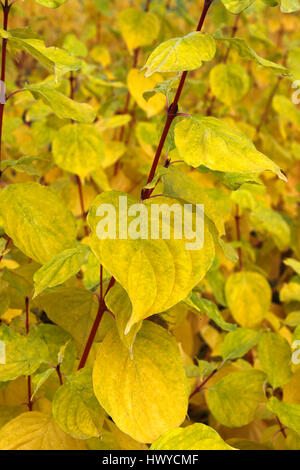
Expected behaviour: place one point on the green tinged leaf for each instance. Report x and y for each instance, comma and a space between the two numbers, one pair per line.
290, 6
286, 109
51, 3
241, 47
164, 270
36, 431
210, 309
235, 180
275, 355
194, 437
7, 413
138, 28
237, 6
39, 378
23, 164
146, 395
216, 281
61, 346
36, 220
61, 105
118, 302
229, 82
20, 281
60, 268
265, 219
74, 310
233, 399
78, 149
237, 343
212, 142
180, 54
103, 6
76, 408
294, 264
290, 292
288, 413
56, 60
23, 354
74, 46
245, 285
293, 61
178, 185
293, 319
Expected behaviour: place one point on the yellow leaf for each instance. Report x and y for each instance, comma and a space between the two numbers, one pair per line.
209, 141
101, 54
137, 84
36, 431
234, 399
78, 148
145, 395
75, 407
180, 54
163, 269
229, 82
138, 28
74, 310
118, 302
291, 391
36, 220
249, 297
274, 355
198, 436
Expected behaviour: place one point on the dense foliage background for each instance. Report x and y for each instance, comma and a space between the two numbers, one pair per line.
115, 344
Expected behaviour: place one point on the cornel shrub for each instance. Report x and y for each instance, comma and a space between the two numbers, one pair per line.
114, 342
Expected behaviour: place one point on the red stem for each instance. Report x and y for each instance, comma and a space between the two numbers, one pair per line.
14, 93
27, 315
238, 236
81, 199
200, 386
72, 85
30, 403
100, 313
197, 389
172, 111
171, 115
282, 428
6, 9
59, 374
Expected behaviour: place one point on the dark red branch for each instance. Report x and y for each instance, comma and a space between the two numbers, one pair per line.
6, 9
30, 402
81, 199
100, 313
171, 115
59, 374
238, 236
172, 111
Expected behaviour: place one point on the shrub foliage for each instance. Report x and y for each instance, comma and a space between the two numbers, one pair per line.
141, 343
